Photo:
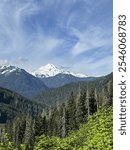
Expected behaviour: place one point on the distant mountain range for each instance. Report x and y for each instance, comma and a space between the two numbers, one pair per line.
20, 81
31, 84
63, 79
61, 94
54, 77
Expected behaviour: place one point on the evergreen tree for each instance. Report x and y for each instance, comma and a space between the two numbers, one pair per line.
63, 131
92, 103
40, 125
62, 121
81, 109
71, 114
96, 98
87, 102
29, 131
22, 128
53, 120
110, 92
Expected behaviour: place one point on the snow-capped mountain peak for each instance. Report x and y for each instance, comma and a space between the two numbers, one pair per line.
50, 70
6, 70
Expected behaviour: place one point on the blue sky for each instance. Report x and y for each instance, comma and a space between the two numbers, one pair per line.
68, 33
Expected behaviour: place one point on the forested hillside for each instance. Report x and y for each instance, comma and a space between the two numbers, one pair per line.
96, 134
80, 119
61, 94
12, 104
63, 79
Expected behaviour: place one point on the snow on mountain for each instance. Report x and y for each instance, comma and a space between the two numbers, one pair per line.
79, 75
20, 81
6, 70
50, 70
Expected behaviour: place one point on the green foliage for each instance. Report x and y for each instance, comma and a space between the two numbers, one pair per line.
99, 135
7, 144
96, 134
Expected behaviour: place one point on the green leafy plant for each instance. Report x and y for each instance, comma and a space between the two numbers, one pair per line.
96, 134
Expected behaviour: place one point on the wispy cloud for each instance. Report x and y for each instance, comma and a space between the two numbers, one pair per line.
59, 32
95, 68
90, 39
14, 38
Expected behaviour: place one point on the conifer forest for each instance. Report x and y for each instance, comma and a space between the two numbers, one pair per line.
76, 116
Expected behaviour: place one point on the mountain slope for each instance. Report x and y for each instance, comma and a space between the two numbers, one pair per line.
61, 94
12, 104
20, 81
63, 79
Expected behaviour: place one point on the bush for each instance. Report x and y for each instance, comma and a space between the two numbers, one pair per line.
96, 134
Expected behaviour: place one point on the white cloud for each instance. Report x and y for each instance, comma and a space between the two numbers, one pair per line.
94, 68
4, 62
93, 37
21, 60
42, 44
14, 39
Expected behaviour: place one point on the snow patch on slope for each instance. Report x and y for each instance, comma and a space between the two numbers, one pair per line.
6, 70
